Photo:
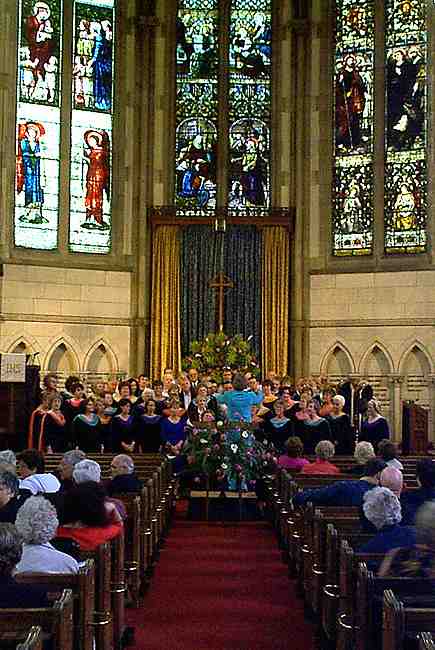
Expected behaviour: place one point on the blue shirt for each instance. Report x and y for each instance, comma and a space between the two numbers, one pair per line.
342, 493
389, 537
240, 403
411, 501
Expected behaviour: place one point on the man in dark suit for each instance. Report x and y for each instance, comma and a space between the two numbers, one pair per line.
411, 500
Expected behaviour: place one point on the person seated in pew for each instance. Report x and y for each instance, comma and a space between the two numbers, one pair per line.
66, 467
364, 451
392, 479
411, 500
343, 493
90, 471
324, 451
382, 509
37, 524
9, 497
124, 478
34, 478
7, 457
293, 460
86, 517
12, 593
387, 450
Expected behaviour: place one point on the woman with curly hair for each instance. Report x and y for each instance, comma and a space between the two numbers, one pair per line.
37, 523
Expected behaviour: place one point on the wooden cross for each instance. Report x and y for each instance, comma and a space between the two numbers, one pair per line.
221, 282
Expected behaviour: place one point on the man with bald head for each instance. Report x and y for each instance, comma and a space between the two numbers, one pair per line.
124, 478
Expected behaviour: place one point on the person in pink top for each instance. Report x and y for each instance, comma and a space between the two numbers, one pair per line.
324, 451
293, 458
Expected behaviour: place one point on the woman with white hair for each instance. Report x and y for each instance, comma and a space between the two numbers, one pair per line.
375, 428
382, 509
364, 452
37, 524
324, 452
85, 471
342, 431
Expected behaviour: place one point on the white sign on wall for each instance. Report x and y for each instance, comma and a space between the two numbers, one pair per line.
13, 368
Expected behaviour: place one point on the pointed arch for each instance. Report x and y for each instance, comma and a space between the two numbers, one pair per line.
339, 355
23, 344
62, 356
382, 358
422, 356
99, 351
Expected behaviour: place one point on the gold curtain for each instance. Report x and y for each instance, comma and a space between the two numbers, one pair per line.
275, 300
165, 301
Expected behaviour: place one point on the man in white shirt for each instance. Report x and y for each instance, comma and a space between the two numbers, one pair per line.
34, 479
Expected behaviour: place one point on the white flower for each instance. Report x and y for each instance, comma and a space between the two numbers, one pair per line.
250, 337
219, 423
224, 466
245, 434
203, 441
234, 447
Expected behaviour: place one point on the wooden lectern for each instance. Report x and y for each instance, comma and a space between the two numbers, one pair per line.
415, 424
17, 401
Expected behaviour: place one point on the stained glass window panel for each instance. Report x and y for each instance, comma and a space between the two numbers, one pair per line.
405, 126
250, 105
91, 127
353, 128
38, 124
196, 106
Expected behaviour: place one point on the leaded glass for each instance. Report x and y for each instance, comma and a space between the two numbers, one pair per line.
38, 124
353, 128
91, 127
196, 106
405, 126
250, 105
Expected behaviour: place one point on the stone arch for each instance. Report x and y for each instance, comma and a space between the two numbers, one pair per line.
337, 361
101, 359
416, 360
62, 358
22, 345
376, 361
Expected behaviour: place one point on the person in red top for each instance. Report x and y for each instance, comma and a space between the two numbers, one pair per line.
324, 451
88, 518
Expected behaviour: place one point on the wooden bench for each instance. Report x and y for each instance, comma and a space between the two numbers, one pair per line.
401, 623
56, 622
133, 568
102, 608
33, 640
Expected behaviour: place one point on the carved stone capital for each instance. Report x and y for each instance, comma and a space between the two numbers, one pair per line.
431, 380
395, 379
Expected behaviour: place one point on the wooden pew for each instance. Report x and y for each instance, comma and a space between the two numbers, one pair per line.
133, 539
400, 622
82, 586
117, 589
426, 641
33, 640
56, 622
102, 610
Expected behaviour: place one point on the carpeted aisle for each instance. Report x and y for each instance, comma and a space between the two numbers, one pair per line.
220, 588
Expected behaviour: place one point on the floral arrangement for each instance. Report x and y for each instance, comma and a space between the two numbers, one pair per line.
228, 456
219, 351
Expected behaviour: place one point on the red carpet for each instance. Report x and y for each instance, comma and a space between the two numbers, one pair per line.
220, 588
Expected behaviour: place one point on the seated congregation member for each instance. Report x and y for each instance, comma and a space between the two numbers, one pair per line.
239, 402
9, 496
66, 467
278, 428
324, 451
392, 479
53, 432
85, 430
364, 452
37, 524
34, 478
342, 433
86, 517
124, 478
8, 460
411, 500
387, 450
382, 509
123, 428
343, 493
89, 471
148, 428
375, 428
12, 593
293, 460
315, 428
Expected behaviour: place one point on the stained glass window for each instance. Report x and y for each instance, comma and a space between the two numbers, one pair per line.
405, 126
91, 126
196, 105
249, 105
38, 124
353, 132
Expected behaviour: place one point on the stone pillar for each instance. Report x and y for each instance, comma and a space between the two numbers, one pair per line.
431, 390
395, 382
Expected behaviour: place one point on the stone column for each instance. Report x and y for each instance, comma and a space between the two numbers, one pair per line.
395, 381
431, 390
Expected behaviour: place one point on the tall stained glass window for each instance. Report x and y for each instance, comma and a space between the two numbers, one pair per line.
91, 126
405, 126
196, 105
353, 128
249, 105
38, 124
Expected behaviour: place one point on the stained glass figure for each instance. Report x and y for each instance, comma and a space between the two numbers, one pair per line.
250, 105
91, 127
196, 106
406, 126
38, 125
353, 157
